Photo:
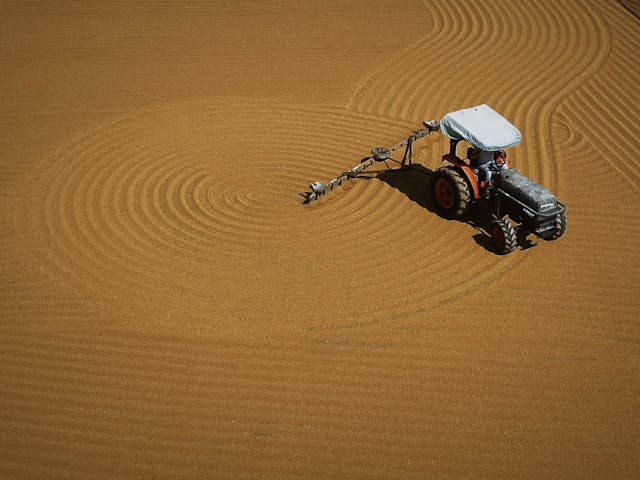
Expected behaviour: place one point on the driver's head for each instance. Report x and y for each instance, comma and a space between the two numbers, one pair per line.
500, 157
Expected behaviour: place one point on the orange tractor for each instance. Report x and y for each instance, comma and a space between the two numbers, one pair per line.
518, 206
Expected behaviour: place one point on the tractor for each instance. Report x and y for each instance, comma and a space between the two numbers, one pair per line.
518, 206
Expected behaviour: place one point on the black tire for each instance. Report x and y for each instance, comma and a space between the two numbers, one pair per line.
503, 235
560, 227
451, 193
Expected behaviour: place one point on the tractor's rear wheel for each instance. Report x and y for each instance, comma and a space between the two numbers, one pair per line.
560, 227
503, 235
451, 193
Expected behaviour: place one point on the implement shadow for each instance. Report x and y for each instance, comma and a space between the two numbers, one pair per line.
416, 182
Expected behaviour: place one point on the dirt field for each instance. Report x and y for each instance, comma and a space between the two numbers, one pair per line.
170, 309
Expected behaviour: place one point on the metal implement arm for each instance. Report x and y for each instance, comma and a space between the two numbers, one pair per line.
430, 126
378, 154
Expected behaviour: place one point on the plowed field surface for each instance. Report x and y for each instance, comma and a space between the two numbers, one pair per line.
169, 308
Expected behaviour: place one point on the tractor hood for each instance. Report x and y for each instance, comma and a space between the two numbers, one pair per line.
482, 127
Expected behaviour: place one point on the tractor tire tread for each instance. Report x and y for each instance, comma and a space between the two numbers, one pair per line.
561, 227
509, 233
463, 196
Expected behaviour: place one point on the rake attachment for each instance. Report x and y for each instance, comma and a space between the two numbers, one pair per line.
378, 154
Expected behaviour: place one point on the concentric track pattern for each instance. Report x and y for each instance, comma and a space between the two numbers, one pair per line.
194, 198
191, 199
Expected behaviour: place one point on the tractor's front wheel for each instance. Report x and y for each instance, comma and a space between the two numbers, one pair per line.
560, 227
503, 235
451, 193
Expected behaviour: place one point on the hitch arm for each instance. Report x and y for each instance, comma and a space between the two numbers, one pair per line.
378, 154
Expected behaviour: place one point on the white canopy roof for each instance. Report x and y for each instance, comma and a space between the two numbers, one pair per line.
482, 127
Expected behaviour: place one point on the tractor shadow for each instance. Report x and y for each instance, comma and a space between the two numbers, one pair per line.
416, 182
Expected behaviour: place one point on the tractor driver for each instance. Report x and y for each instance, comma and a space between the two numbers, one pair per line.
487, 162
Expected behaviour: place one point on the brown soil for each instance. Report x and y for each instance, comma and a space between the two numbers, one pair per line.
171, 309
